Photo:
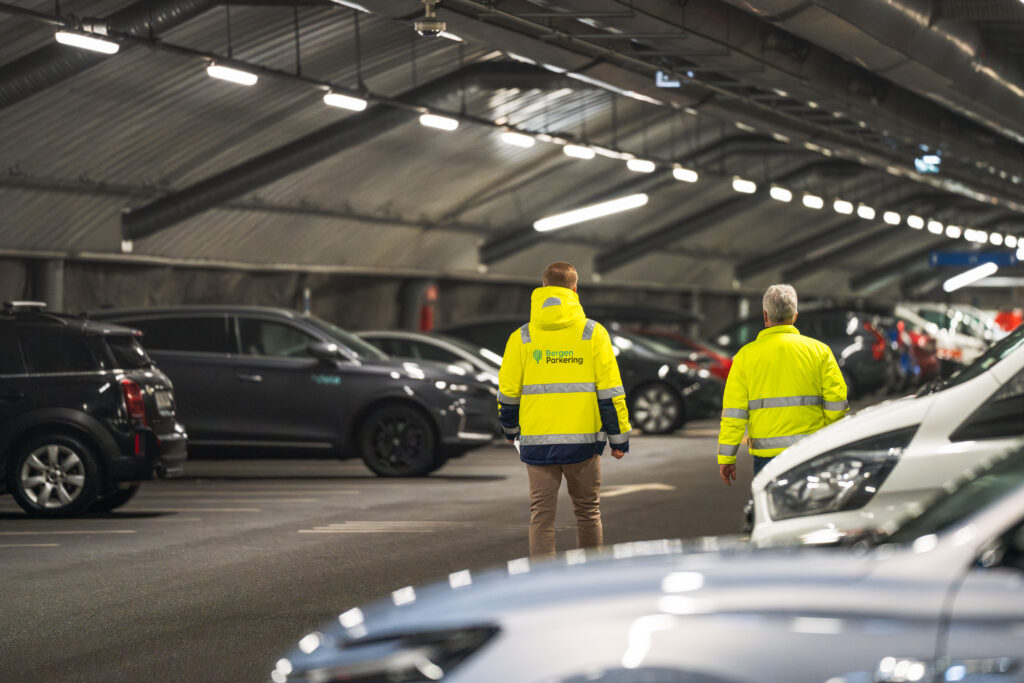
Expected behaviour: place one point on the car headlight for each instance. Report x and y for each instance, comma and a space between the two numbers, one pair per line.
427, 656
843, 479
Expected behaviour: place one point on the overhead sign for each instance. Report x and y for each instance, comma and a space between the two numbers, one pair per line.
663, 80
972, 258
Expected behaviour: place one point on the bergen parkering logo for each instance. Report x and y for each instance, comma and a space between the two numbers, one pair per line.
557, 357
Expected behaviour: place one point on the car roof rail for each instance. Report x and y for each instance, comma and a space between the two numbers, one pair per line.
12, 307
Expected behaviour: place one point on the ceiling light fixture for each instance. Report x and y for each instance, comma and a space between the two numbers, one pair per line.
970, 277
995, 239
915, 222
813, 201
935, 227
352, 5
578, 151
450, 36
954, 232
518, 139
641, 166
744, 186
686, 175
440, 122
842, 206
87, 41
336, 99
1010, 241
231, 74
781, 194
892, 218
589, 213
866, 212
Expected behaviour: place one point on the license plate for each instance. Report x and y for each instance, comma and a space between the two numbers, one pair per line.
164, 402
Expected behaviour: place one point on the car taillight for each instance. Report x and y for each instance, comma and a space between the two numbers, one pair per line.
134, 404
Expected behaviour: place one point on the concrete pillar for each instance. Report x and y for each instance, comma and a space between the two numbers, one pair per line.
418, 305
49, 283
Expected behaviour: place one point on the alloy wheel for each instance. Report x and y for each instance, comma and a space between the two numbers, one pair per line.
52, 476
656, 410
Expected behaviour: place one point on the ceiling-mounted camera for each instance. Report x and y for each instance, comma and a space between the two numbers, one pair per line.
430, 25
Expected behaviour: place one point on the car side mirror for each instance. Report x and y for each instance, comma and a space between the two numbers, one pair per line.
324, 352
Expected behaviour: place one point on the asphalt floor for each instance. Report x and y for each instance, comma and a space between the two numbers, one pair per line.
213, 576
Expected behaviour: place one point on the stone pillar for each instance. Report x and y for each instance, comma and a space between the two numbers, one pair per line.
49, 283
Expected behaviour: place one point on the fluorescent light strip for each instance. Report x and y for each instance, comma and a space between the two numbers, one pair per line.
842, 206
744, 186
935, 227
866, 212
813, 201
336, 99
439, 122
686, 175
518, 139
578, 151
1010, 241
589, 213
780, 194
970, 277
995, 239
915, 222
91, 42
954, 232
892, 218
232, 75
352, 5
641, 166
450, 36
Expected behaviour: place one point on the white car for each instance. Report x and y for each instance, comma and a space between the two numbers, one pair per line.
956, 341
869, 467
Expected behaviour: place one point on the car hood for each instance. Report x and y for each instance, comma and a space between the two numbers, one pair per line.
630, 580
878, 419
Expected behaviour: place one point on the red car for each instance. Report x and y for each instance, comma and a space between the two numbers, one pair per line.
696, 354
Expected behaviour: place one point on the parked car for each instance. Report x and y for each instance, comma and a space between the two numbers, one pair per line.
939, 601
957, 343
267, 377
869, 467
85, 416
859, 347
473, 358
696, 354
922, 345
661, 392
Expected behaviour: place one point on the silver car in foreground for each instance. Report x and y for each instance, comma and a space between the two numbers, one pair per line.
942, 599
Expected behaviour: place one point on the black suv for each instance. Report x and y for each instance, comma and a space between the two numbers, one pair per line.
84, 414
266, 377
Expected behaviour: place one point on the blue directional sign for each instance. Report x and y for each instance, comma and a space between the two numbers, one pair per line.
972, 258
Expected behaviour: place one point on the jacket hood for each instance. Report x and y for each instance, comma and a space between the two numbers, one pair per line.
552, 308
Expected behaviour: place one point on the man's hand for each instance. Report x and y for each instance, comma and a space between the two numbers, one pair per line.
727, 472
618, 454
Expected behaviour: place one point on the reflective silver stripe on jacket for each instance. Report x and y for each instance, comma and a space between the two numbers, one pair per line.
728, 448
837, 405
785, 402
611, 393
736, 412
619, 439
559, 439
524, 331
776, 441
510, 432
551, 301
511, 400
560, 388
588, 329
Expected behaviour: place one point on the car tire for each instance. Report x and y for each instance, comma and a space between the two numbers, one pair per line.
54, 475
657, 409
398, 441
111, 502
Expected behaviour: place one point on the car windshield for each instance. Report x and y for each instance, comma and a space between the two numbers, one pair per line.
998, 351
357, 345
980, 488
486, 355
128, 352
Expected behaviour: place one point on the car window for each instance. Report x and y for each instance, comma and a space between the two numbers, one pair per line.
270, 338
127, 352
351, 341
11, 362
390, 346
207, 334
48, 353
435, 353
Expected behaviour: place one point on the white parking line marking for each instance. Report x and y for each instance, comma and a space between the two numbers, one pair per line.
29, 545
612, 491
223, 499
409, 527
149, 509
67, 532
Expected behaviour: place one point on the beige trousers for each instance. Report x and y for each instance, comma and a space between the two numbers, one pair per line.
584, 483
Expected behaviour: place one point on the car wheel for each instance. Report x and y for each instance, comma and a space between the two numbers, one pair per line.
115, 499
657, 409
54, 476
399, 441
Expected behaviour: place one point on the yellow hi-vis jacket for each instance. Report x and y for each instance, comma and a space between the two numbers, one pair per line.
782, 387
559, 384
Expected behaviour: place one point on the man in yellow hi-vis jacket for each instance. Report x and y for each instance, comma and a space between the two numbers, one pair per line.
561, 395
782, 386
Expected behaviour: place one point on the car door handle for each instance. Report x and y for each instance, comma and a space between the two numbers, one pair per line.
12, 395
250, 378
